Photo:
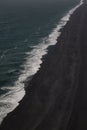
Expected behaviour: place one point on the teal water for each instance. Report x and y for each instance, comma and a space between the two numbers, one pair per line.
23, 27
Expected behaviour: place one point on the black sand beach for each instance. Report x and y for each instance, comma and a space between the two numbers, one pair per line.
56, 97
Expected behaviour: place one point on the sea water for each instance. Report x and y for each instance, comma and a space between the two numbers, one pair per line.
26, 30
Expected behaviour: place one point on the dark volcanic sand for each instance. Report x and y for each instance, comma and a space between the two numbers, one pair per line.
56, 97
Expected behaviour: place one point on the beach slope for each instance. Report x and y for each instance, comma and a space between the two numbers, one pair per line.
56, 97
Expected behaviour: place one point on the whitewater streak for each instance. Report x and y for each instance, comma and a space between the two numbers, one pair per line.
10, 101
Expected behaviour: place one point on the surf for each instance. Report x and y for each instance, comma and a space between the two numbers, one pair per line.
10, 100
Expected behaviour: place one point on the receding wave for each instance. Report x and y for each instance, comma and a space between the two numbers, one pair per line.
10, 100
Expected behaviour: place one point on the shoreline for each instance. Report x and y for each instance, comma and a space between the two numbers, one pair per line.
56, 81
39, 52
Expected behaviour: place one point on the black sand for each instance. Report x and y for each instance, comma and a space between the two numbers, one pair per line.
56, 97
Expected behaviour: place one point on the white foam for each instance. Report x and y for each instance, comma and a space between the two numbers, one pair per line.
10, 101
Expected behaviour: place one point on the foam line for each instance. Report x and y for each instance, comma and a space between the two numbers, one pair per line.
10, 101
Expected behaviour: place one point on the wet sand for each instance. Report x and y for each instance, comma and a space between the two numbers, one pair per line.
56, 97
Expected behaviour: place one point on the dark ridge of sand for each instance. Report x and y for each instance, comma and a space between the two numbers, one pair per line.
56, 97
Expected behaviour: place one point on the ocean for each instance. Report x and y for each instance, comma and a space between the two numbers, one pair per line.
26, 31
